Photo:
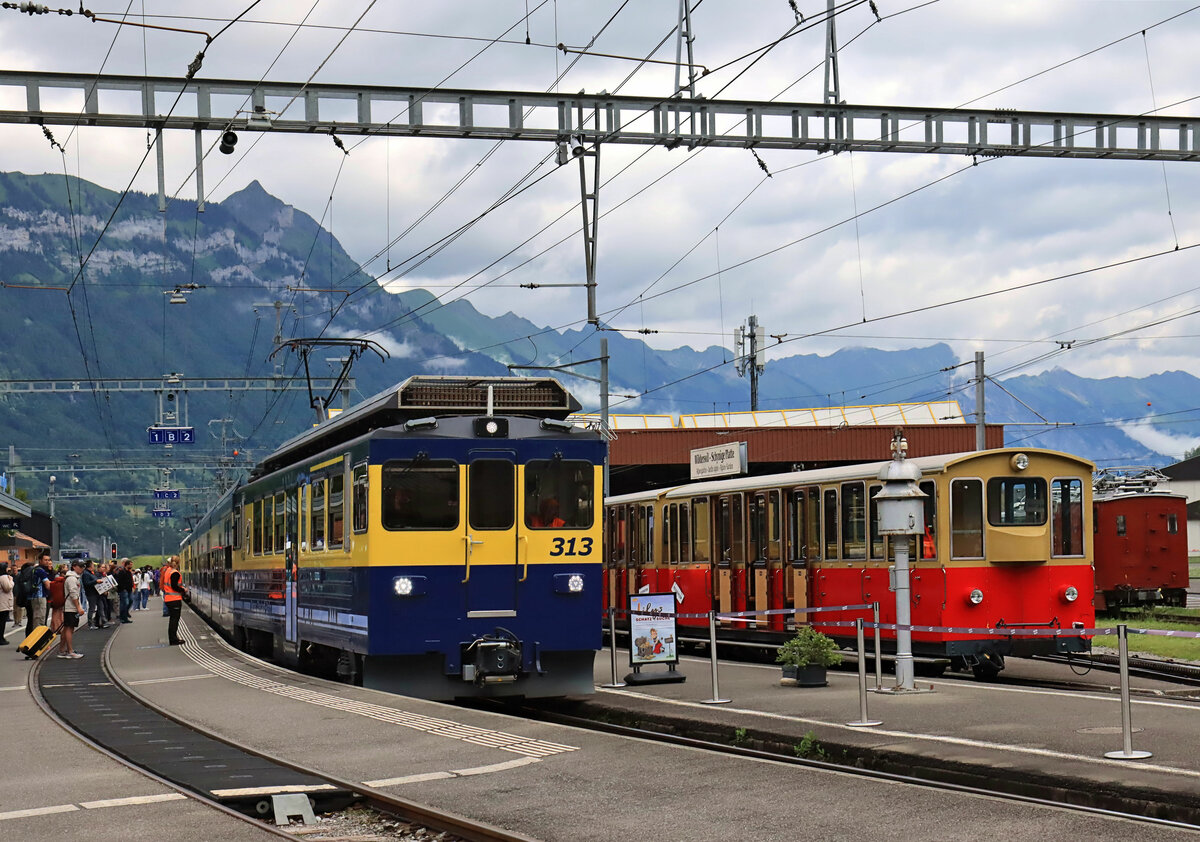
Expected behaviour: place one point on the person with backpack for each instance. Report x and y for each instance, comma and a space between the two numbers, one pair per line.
36, 610
6, 599
56, 597
20, 595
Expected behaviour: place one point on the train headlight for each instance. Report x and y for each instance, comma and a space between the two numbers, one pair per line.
975, 596
1070, 593
1019, 462
408, 585
568, 583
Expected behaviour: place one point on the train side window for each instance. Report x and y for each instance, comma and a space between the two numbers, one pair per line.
929, 539
878, 548
1066, 519
796, 524
1120, 524
617, 538
774, 527
420, 494
831, 523
359, 478
700, 531
685, 540
256, 524
735, 547
812, 521
1172, 524
336, 510
758, 527
671, 533
966, 518
854, 520
235, 526
279, 521
1016, 501
491, 493
648, 520
558, 494
317, 532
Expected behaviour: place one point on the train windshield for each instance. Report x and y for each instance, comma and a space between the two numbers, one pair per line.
558, 494
420, 494
1016, 501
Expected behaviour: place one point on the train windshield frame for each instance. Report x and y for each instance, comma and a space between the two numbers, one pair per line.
420, 494
1017, 501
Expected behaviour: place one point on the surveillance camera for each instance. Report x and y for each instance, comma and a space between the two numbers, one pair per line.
576, 145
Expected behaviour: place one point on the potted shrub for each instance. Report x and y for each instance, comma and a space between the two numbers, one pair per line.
805, 658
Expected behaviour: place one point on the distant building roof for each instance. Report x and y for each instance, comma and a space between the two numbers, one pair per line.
12, 507
888, 414
1188, 469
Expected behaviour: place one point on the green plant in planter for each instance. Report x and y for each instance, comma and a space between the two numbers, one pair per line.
809, 647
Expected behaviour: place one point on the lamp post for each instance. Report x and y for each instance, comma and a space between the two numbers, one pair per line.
901, 513
50, 495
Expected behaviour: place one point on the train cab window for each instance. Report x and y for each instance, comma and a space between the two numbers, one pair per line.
700, 531
279, 521
336, 511
1120, 524
317, 532
558, 494
359, 479
854, 520
1016, 501
1172, 524
491, 494
420, 494
831, 524
1066, 517
966, 518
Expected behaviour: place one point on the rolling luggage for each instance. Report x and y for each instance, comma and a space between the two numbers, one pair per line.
41, 639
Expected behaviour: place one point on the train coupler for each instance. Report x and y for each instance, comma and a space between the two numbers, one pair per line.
493, 659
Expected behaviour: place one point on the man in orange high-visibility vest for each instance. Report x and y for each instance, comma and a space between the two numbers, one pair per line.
173, 592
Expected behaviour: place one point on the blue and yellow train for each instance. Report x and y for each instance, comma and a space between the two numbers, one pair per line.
441, 539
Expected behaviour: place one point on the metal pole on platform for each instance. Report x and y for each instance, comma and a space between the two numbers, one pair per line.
612, 648
863, 721
1126, 720
878, 651
712, 648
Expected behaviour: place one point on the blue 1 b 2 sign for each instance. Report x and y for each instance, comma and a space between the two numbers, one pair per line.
171, 435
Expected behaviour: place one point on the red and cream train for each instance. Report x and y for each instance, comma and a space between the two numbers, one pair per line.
1007, 542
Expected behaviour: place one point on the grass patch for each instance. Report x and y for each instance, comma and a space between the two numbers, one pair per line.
1177, 648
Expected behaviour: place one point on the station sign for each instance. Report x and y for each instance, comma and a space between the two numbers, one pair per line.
162, 513
166, 494
10, 523
722, 460
171, 435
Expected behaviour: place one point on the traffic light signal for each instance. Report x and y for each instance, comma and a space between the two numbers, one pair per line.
113, 548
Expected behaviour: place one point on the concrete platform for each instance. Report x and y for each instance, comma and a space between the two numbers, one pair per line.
557, 783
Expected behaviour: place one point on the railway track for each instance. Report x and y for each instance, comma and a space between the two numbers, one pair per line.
1186, 674
90, 701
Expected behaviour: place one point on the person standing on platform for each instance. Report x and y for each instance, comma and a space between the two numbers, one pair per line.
36, 611
173, 593
20, 594
124, 576
71, 611
144, 580
6, 600
88, 580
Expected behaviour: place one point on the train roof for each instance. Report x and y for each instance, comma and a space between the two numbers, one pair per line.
928, 465
424, 396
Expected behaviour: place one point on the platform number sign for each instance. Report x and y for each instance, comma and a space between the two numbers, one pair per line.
171, 435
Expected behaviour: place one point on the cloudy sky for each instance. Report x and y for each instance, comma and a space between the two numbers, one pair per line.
694, 242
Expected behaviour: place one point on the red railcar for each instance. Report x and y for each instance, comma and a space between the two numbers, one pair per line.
1141, 540
1006, 544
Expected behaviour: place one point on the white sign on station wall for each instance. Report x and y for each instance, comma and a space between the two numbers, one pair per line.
722, 460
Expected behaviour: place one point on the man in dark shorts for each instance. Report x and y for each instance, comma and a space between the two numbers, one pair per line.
71, 611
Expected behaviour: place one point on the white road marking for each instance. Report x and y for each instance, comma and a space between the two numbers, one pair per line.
22, 687
166, 680
933, 738
456, 773
136, 799
38, 811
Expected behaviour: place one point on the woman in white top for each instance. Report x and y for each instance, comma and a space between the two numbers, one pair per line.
6, 600
144, 581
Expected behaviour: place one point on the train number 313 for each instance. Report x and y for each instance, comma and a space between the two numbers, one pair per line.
567, 546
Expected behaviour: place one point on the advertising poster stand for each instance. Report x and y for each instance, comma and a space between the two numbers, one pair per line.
652, 638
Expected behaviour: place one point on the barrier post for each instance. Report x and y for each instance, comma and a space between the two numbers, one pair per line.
1126, 720
862, 721
712, 648
612, 648
878, 652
